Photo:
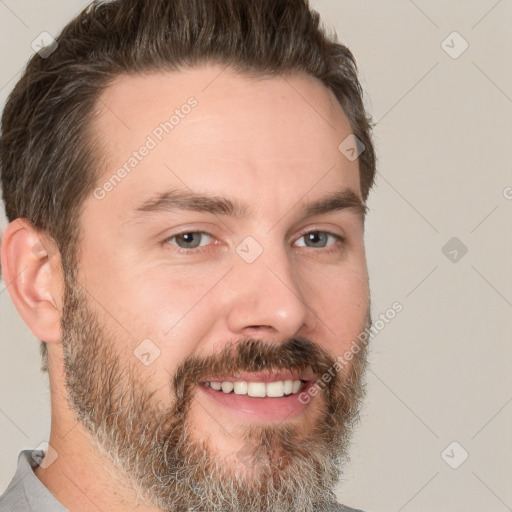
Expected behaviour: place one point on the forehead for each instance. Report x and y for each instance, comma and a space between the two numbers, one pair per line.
212, 129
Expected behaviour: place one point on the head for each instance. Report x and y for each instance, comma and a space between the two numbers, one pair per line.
185, 210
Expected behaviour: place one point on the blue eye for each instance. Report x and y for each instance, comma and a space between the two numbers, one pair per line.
319, 239
195, 241
188, 240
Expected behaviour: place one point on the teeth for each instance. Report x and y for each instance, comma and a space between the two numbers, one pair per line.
240, 388
258, 389
275, 388
288, 387
227, 387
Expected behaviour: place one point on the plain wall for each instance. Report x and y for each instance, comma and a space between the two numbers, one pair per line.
440, 370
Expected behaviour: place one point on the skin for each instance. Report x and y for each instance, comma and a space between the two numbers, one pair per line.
262, 142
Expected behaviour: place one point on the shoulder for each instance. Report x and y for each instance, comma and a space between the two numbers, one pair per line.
26, 493
14, 498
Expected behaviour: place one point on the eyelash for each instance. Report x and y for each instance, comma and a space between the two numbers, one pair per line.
340, 240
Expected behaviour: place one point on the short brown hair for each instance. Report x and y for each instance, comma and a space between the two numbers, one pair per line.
48, 158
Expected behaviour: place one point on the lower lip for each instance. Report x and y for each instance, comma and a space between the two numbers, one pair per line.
265, 409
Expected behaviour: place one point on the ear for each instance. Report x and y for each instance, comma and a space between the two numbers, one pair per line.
32, 272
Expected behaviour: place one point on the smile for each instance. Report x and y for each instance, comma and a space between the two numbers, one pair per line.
259, 396
273, 389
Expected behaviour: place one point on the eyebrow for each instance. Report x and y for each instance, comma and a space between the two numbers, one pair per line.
186, 200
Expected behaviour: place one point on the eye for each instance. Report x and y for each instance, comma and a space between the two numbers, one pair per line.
320, 239
189, 239
194, 241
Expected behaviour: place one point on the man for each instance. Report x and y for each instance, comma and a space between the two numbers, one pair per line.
185, 182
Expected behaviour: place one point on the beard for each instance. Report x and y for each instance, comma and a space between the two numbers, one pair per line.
281, 467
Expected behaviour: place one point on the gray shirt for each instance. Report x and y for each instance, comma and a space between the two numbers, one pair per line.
26, 493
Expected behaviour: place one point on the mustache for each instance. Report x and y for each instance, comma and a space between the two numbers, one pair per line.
251, 355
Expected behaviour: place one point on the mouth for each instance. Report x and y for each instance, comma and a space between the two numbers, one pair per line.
260, 396
275, 389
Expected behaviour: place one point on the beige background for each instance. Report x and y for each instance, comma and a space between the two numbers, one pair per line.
440, 371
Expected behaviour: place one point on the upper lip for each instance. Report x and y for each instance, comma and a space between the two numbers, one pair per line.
263, 376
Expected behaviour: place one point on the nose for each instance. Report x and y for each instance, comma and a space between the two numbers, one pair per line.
266, 299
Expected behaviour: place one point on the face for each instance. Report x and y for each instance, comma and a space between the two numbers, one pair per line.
222, 280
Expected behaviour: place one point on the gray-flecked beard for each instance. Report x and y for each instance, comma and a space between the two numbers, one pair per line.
281, 468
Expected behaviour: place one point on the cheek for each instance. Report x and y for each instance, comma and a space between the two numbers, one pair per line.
175, 311
167, 317
138, 303
341, 301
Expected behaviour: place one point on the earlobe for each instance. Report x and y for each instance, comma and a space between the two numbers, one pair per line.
32, 273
